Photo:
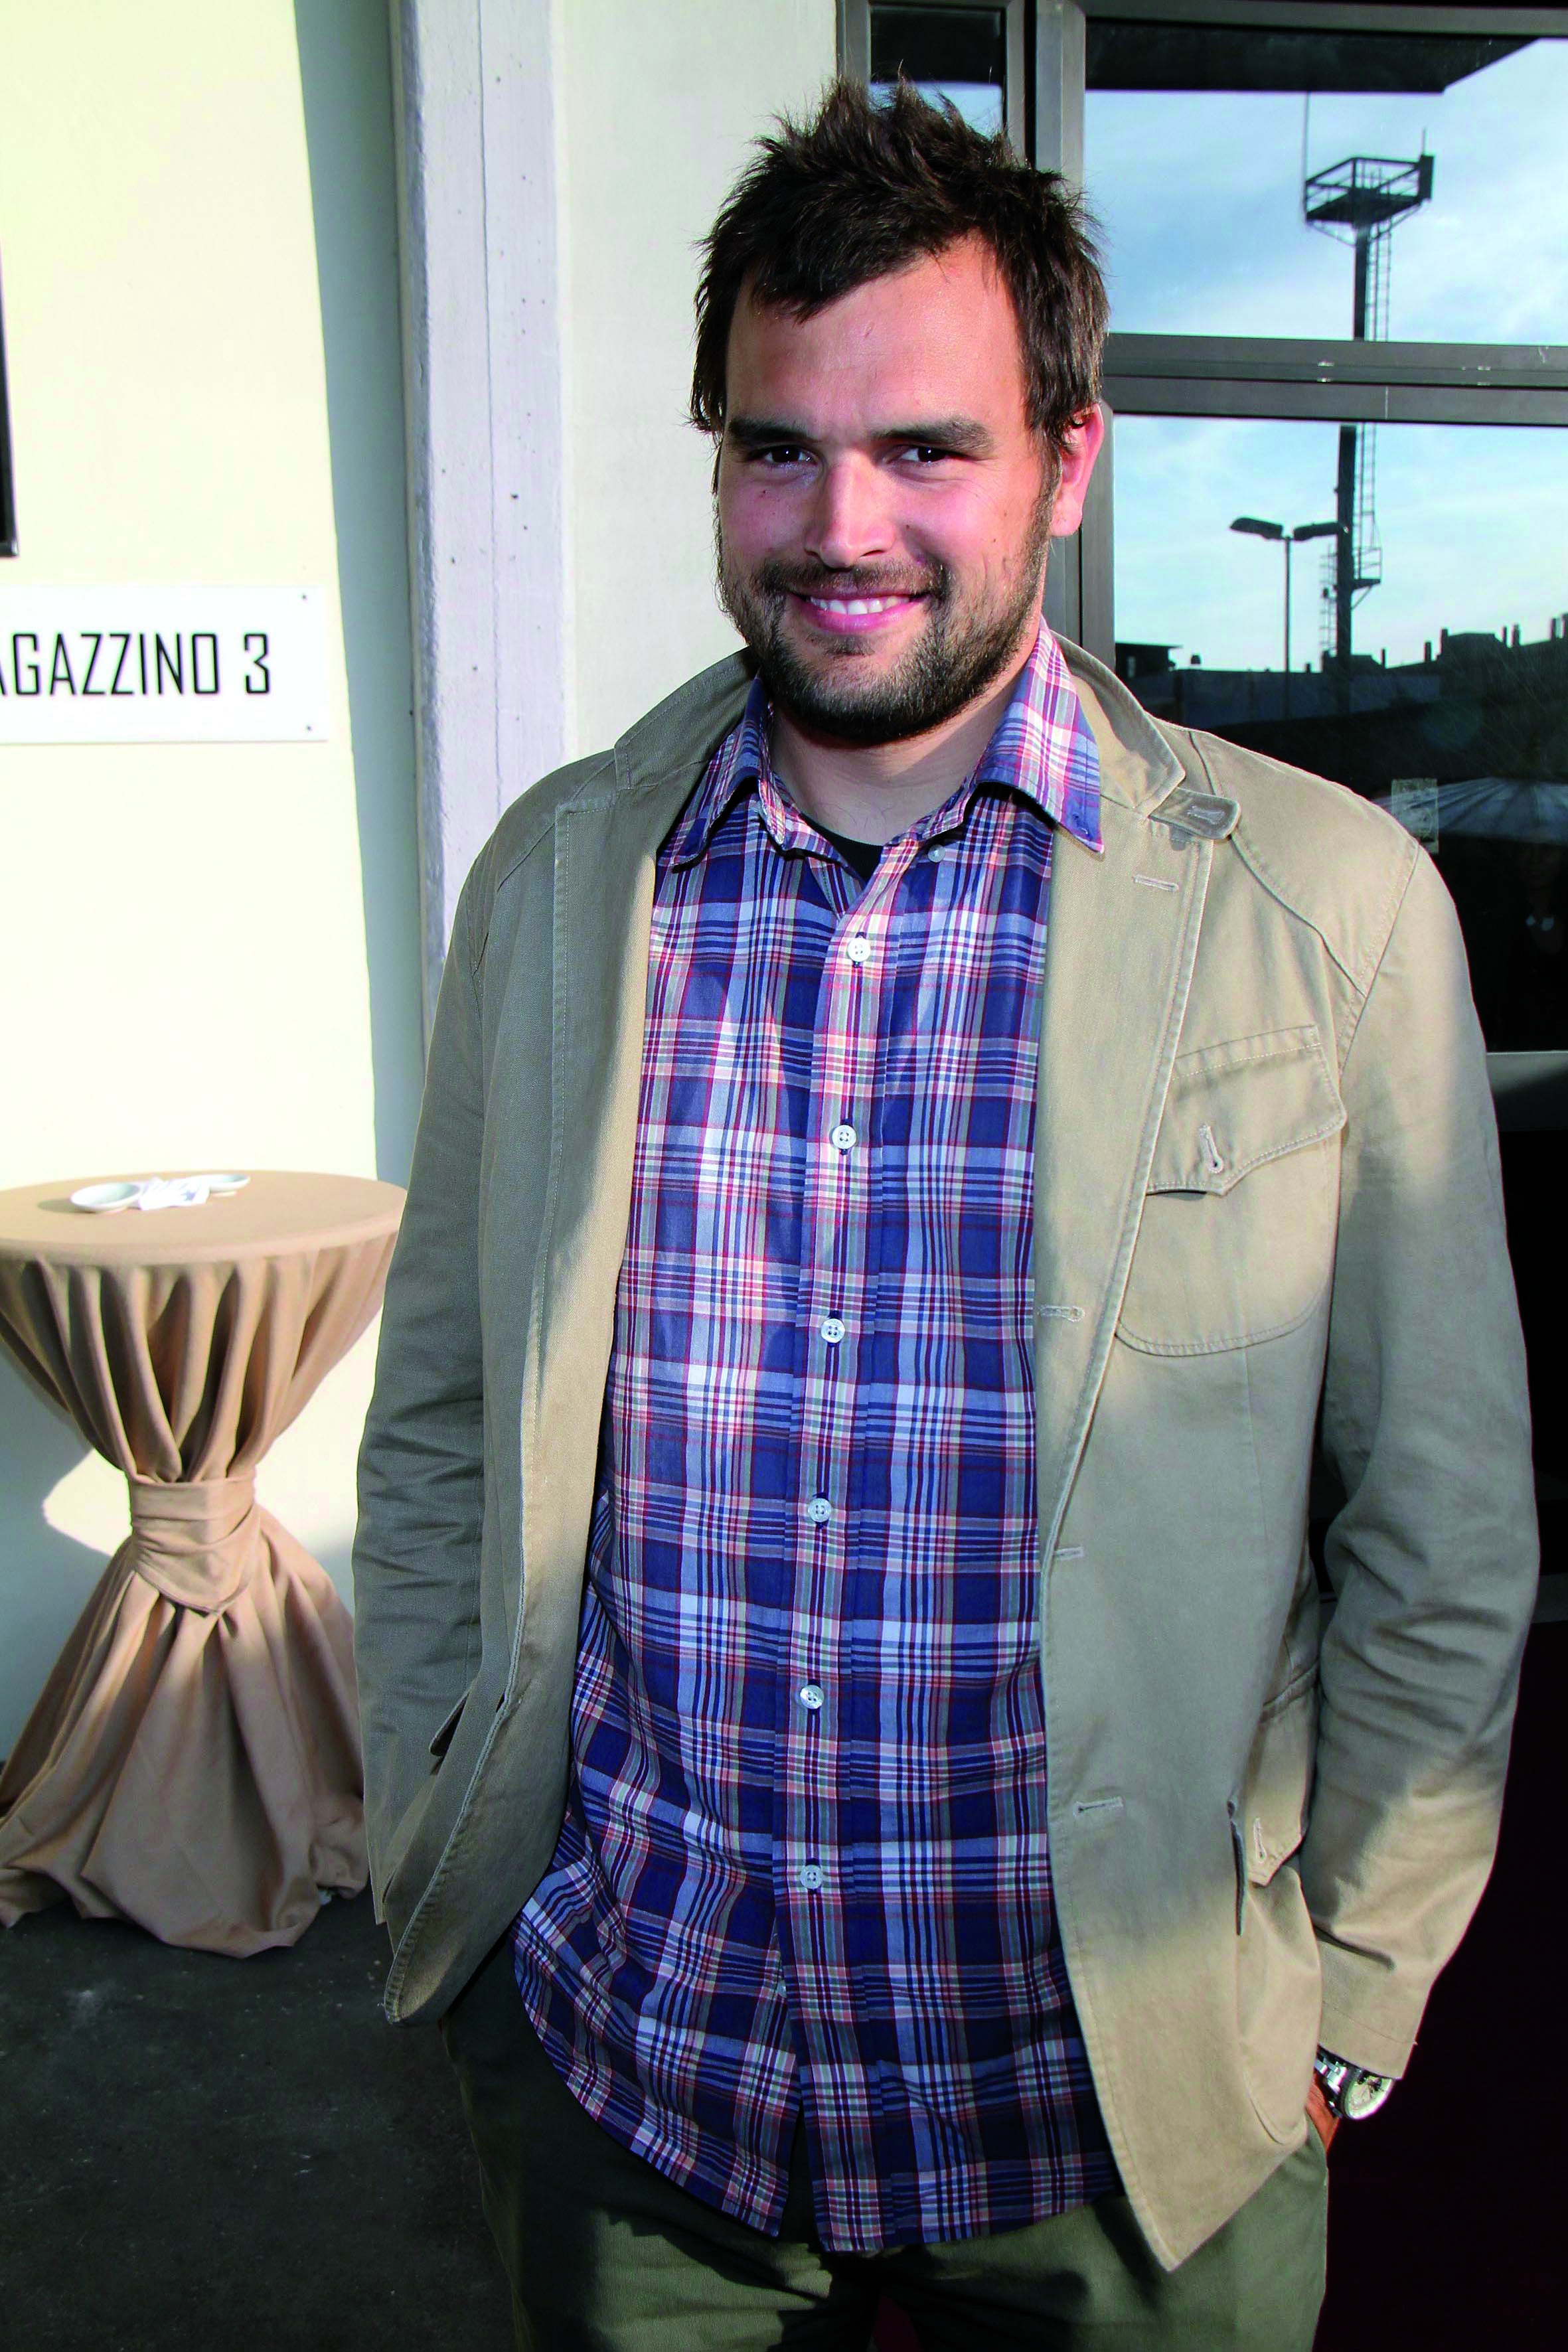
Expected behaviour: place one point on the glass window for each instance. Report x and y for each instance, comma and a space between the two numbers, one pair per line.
1251, 190
955, 53
1452, 711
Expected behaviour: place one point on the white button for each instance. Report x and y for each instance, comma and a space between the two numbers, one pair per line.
858, 949
833, 1330
934, 854
819, 1510
843, 1137
809, 1875
810, 1697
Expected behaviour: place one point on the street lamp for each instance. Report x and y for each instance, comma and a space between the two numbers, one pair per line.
1287, 540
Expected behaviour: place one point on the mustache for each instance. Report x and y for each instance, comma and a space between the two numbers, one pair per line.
776, 578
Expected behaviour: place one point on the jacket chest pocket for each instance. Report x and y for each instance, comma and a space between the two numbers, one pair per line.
1235, 1242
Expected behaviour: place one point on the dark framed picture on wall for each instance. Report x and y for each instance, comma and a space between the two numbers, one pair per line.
7, 483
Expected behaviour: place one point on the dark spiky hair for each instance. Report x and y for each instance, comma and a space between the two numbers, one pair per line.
866, 188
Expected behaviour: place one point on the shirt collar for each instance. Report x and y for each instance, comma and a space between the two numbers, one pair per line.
1042, 747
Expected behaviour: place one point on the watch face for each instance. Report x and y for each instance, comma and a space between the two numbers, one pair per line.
1363, 2095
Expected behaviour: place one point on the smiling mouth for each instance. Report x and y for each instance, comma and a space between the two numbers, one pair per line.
845, 616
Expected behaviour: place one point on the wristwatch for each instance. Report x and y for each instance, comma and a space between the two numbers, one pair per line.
1352, 2092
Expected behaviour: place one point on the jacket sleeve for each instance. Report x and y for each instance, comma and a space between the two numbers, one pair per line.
421, 1477
1433, 1556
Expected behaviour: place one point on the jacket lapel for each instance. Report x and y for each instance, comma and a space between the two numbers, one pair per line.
1119, 965
605, 847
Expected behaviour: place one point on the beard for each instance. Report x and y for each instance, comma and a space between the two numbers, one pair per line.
955, 656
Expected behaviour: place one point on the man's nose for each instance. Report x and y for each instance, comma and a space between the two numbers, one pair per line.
850, 521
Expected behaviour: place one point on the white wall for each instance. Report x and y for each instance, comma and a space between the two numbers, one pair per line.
184, 190
188, 934
661, 103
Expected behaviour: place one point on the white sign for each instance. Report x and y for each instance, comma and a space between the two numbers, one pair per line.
163, 665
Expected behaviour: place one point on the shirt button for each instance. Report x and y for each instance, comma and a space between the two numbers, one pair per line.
843, 1137
833, 1330
819, 1510
809, 1875
934, 854
810, 1697
858, 949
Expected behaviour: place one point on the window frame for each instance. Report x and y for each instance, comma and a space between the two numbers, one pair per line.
8, 541
1248, 377
1264, 376
1258, 376
854, 32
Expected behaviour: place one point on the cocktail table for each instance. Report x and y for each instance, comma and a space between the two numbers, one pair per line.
192, 1761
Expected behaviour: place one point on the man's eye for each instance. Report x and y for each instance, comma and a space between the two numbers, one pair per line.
785, 453
927, 453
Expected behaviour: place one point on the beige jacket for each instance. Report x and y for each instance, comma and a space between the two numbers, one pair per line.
1267, 1209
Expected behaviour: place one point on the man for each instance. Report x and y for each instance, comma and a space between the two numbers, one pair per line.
915, 1157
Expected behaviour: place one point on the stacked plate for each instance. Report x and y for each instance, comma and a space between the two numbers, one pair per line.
155, 1193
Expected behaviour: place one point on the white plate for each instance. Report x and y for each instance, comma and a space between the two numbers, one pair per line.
105, 1199
226, 1183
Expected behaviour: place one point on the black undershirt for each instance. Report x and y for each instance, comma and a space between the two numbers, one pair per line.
862, 855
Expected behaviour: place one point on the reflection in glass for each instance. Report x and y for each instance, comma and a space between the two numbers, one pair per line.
1455, 715
953, 53
1206, 181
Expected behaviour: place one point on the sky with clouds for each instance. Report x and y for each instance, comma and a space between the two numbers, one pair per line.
1198, 195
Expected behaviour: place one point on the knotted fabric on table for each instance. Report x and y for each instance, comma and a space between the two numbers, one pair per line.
193, 1761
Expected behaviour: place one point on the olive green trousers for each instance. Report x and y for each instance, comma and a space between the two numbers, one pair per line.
604, 2255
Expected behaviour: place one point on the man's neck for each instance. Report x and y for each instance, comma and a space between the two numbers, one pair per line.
874, 792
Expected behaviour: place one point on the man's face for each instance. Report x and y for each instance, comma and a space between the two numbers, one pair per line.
884, 504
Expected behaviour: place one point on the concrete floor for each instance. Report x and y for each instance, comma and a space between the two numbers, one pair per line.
202, 2151
196, 2152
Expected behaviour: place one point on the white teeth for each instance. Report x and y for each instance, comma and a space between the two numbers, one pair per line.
856, 603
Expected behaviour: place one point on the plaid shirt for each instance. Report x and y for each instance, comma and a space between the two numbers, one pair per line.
802, 1874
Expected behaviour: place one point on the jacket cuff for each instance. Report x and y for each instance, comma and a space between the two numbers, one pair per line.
1356, 2023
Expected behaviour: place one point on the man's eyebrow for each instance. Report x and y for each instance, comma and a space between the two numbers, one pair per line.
966, 435
763, 433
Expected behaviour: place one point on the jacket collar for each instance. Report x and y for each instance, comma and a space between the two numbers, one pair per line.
680, 735
1041, 747
676, 739
1138, 767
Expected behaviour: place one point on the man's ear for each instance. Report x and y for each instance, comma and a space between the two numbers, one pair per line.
1075, 464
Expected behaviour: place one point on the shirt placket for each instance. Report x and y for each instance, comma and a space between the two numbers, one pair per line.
837, 1305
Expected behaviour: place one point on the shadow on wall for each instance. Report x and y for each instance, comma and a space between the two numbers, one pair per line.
345, 73
45, 1577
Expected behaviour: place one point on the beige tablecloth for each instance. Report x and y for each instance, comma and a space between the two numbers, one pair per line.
192, 1761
